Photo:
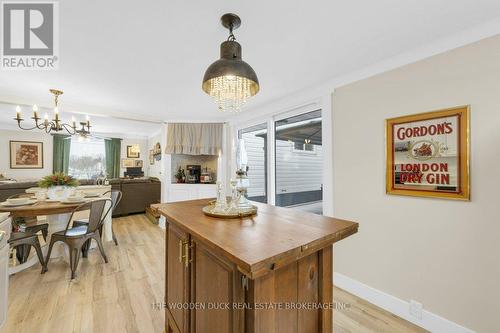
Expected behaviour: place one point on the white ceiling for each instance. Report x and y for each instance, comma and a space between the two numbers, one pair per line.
101, 124
146, 59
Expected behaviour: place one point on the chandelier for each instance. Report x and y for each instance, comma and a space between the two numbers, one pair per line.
56, 124
230, 81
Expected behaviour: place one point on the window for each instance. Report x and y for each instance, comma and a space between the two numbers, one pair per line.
285, 160
299, 174
87, 158
255, 138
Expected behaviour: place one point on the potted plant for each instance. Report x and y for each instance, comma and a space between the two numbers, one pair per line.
59, 186
180, 176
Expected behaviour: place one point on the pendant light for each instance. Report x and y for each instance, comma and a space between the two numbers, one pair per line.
230, 81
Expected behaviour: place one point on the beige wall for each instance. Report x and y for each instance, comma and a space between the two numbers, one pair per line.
442, 253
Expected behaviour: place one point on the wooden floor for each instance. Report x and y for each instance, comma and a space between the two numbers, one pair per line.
119, 296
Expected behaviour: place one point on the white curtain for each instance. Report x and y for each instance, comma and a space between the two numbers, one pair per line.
194, 139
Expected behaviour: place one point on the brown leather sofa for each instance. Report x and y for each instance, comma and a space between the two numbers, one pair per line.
137, 193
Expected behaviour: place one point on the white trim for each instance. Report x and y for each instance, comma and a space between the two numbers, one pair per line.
430, 321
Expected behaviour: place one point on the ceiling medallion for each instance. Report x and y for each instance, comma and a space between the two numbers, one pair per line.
230, 81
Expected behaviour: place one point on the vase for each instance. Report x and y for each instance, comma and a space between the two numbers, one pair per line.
60, 192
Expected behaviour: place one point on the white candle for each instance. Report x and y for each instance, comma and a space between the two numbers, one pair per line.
219, 166
18, 112
35, 110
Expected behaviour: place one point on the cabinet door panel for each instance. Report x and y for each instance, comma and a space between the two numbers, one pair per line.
216, 284
177, 278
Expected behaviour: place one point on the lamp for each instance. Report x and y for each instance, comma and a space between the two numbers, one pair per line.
230, 81
56, 124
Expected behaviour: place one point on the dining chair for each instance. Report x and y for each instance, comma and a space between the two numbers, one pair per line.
29, 225
116, 197
26, 240
76, 236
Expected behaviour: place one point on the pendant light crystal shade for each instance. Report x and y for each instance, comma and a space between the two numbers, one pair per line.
230, 81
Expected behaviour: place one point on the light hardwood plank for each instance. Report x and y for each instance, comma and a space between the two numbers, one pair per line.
360, 316
113, 297
118, 296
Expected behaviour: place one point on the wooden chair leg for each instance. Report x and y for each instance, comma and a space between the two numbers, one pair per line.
101, 248
52, 241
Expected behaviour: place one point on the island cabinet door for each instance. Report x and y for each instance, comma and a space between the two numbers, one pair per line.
217, 290
177, 281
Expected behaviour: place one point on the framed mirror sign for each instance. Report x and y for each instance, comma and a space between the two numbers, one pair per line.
428, 154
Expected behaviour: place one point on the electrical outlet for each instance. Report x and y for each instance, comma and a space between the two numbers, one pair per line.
416, 309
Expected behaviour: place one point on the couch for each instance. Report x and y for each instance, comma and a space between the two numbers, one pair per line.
138, 194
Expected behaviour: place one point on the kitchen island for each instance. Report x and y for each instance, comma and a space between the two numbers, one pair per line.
268, 273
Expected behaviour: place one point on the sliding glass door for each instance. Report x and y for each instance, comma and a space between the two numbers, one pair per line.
285, 159
255, 138
299, 162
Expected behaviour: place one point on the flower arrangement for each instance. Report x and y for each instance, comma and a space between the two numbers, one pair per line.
180, 175
58, 179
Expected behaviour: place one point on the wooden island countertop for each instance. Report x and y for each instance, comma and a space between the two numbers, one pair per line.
254, 269
264, 242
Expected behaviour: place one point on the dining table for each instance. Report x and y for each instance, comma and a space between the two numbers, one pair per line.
57, 215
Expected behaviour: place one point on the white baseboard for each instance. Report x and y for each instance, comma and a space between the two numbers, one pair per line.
400, 308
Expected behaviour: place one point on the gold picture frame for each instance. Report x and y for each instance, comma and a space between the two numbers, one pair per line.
26, 154
428, 154
131, 153
128, 163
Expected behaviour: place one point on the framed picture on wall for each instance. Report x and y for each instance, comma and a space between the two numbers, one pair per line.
127, 163
151, 157
428, 154
133, 152
26, 155
138, 163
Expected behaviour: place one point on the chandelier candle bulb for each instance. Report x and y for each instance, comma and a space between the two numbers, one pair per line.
35, 111
18, 112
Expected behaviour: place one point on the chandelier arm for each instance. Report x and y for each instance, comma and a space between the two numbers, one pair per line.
25, 128
65, 126
41, 126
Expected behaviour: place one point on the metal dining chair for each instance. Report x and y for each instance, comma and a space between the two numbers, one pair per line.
26, 240
29, 225
116, 197
76, 236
